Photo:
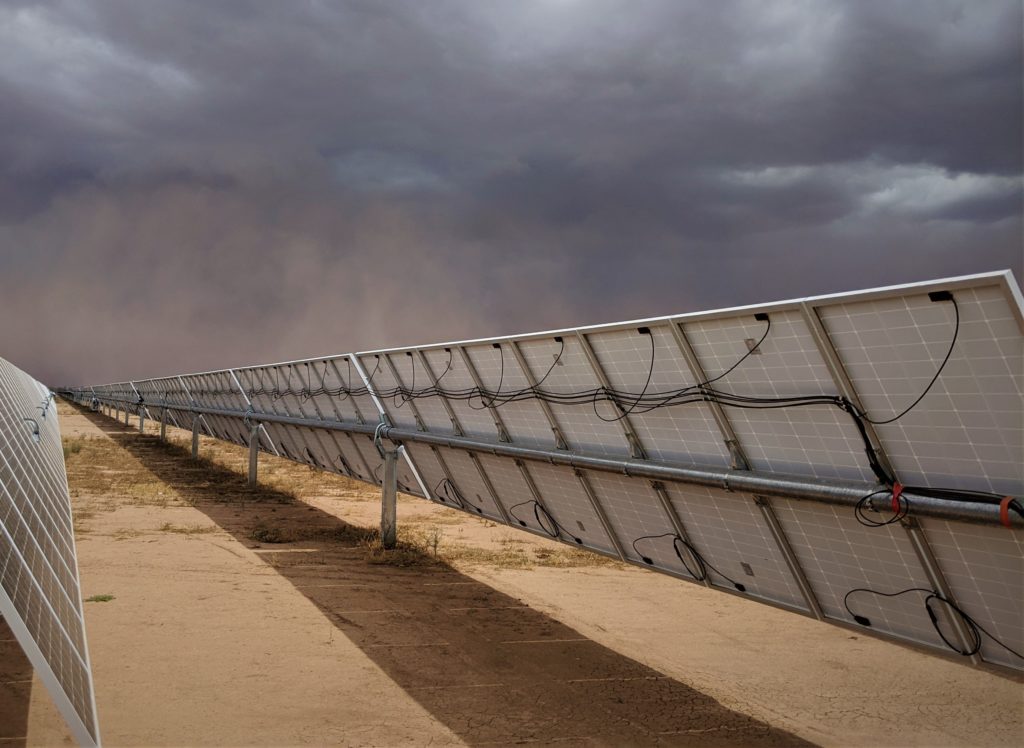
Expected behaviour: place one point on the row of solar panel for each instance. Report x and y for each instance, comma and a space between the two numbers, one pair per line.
880, 349
39, 590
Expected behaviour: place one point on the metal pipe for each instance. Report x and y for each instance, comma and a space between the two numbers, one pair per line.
841, 492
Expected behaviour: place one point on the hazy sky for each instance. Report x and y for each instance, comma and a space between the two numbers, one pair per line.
190, 185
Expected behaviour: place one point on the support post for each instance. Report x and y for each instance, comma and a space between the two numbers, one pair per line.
254, 454
389, 500
163, 424
127, 415
142, 419
195, 437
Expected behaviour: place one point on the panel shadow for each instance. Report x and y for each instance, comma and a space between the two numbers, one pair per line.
490, 668
15, 689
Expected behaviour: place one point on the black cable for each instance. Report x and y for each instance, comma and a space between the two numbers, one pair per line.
501, 377
373, 373
974, 629
446, 487
451, 357
412, 388
647, 559
701, 574
544, 519
650, 374
935, 296
558, 357
756, 346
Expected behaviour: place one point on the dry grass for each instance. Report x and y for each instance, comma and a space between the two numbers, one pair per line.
71, 447
514, 553
188, 529
109, 474
126, 533
415, 547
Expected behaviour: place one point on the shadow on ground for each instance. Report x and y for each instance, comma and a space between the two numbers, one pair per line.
485, 665
15, 689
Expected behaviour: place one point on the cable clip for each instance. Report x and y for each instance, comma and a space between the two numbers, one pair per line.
1004, 511
378, 436
897, 492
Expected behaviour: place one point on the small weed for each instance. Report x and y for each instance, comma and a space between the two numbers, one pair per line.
337, 534
432, 539
264, 534
126, 534
188, 529
79, 518
412, 549
99, 599
71, 447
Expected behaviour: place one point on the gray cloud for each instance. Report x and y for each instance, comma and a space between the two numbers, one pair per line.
190, 185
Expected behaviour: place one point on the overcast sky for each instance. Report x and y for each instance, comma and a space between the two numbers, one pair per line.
193, 185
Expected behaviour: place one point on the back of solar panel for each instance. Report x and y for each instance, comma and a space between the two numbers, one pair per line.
878, 348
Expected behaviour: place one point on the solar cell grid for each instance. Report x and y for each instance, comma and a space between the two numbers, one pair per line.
565, 499
985, 566
968, 432
817, 440
729, 530
686, 433
499, 371
39, 592
838, 556
571, 371
452, 372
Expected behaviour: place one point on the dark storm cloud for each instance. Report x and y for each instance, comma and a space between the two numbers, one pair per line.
190, 185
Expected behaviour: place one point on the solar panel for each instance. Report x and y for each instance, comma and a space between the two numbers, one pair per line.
855, 457
40, 596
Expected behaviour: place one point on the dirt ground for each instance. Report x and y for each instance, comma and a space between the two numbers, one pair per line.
270, 616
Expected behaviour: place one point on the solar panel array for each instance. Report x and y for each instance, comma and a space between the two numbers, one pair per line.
40, 596
731, 448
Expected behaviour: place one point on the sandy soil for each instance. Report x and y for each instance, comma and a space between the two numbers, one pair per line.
269, 616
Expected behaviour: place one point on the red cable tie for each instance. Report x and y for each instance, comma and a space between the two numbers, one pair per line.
897, 491
1004, 511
